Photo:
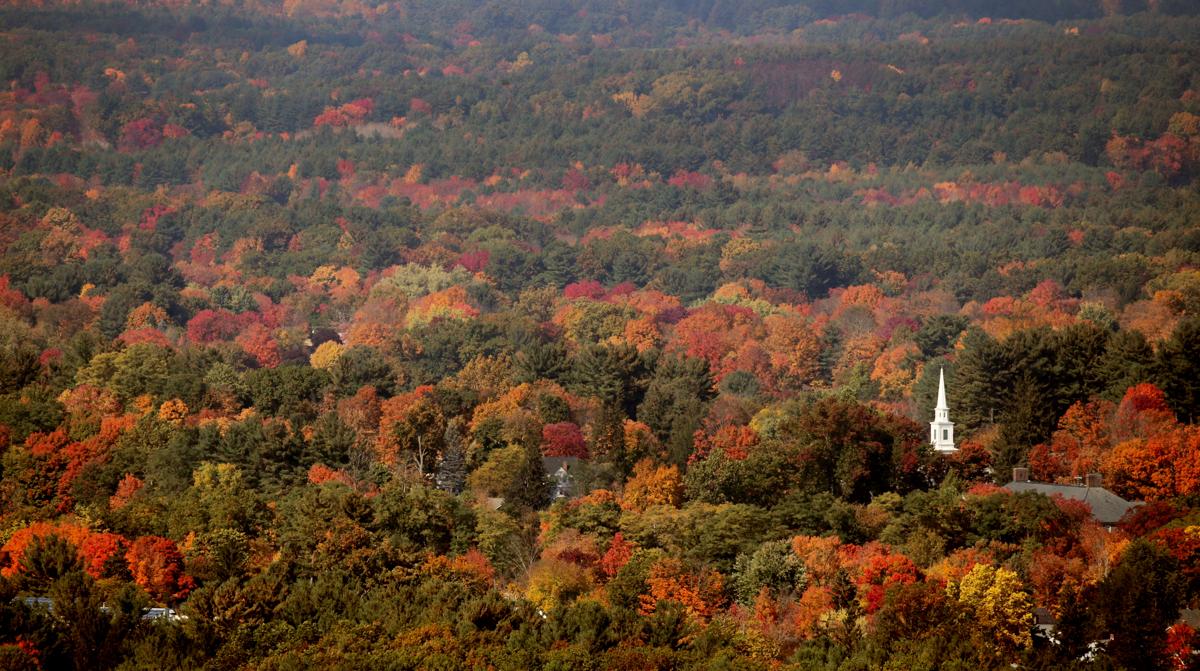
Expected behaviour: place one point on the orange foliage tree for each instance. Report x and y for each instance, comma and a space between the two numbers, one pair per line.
259, 343
701, 593
101, 553
1078, 445
411, 431
878, 570
20, 541
794, 349
157, 567
450, 303
126, 489
735, 441
1159, 467
714, 332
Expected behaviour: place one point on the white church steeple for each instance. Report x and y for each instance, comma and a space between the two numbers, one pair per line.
941, 429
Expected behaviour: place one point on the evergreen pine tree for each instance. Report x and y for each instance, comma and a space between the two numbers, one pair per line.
530, 489
1178, 369
452, 469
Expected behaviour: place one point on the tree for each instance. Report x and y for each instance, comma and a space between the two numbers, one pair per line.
530, 489
743, 472
611, 373
701, 534
563, 439
773, 568
415, 439
47, 559
157, 567
1136, 602
808, 268
859, 451
701, 593
1158, 467
260, 343
220, 498
97, 629
362, 365
652, 485
938, 334
516, 474
1127, 361
554, 584
1178, 369
286, 390
618, 554
675, 401
1076, 448
417, 517
220, 555
1000, 612
541, 361
1020, 430
1036, 373
918, 612
452, 469
326, 354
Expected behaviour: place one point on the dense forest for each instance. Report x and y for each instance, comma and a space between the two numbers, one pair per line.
304, 304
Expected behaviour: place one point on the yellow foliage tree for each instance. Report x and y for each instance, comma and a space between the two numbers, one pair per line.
173, 411
1184, 124
1001, 611
554, 583
652, 485
326, 354
142, 403
639, 439
638, 105
738, 255
523, 61
488, 376
31, 133
414, 174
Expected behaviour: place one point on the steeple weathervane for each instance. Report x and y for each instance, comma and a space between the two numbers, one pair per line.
941, 429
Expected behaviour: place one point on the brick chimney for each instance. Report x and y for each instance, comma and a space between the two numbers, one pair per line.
1020, 474
1094, 480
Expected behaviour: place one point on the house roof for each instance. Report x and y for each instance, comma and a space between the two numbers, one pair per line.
552, 464
1042, 617
1107, 508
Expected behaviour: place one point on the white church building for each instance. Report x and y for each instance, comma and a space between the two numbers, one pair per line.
941, 429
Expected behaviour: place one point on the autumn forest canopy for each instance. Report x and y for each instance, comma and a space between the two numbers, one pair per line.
585, 334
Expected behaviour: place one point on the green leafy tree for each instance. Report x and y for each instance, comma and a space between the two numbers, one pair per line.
773, 567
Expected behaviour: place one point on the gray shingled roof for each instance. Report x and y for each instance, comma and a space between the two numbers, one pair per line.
1107, 508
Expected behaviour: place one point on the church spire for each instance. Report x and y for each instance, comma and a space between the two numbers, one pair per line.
942, 390
941, 429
